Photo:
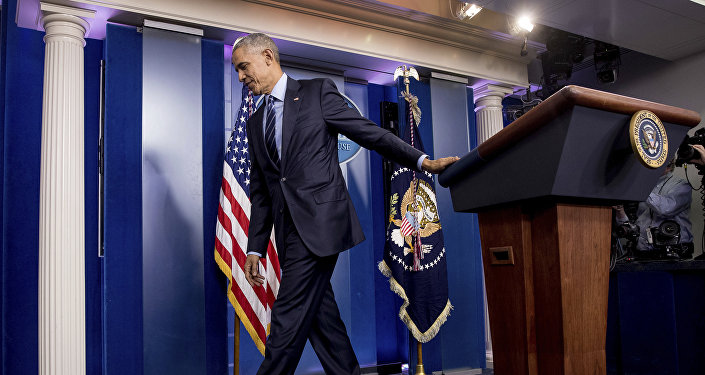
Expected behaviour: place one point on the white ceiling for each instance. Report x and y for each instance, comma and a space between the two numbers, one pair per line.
669, 29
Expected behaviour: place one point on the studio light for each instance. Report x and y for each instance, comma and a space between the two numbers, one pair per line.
468, 11
557, 61
523, 26
525, 23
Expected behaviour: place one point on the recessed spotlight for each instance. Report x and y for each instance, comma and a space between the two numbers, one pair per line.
468, 11
472, 10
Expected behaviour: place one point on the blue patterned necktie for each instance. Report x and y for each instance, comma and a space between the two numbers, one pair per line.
269, 131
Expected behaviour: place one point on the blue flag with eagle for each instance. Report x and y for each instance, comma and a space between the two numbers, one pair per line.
414, 254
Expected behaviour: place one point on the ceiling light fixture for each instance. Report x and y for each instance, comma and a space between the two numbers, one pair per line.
468, 11
525, 23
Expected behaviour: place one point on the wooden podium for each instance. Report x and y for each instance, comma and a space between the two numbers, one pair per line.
543, 189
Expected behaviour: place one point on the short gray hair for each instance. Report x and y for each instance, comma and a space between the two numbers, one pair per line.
256, 43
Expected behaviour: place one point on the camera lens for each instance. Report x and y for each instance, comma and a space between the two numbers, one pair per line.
669, 229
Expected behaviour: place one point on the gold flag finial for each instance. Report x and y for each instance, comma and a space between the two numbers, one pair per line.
402, 71
405, 72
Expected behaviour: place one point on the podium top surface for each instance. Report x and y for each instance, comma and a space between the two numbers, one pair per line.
566, 98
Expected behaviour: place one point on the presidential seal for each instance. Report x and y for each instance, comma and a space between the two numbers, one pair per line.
648, 138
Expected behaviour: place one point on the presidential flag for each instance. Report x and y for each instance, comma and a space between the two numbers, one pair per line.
414, 255
253, 305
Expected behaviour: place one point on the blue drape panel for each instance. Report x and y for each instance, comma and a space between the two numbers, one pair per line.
93, 53
172, 204
122, 276
215, 283
391, 333
362, 265
22, 71
463, 335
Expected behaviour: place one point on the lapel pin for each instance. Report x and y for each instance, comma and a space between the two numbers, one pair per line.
296, 98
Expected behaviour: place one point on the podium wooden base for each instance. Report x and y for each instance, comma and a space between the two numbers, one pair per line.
547, 278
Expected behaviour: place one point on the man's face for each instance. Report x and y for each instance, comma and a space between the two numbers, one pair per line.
253, 69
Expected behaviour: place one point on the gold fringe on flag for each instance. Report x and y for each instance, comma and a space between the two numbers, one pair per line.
404, 315
240, 312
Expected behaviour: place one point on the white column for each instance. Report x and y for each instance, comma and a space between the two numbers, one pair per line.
488, 121
62, 332
488, 110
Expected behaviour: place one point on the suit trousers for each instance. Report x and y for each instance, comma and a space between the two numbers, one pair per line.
306, 309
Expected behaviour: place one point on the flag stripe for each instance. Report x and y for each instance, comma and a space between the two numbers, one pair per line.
250, 313
237, 231
238, 213
272, 257
239, 255
246, 295
238, 309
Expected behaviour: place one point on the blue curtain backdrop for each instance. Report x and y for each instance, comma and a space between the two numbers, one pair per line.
392, 334
114, 325
172, 204
463, 335
93, 53
215, 283
361, 265
23, 64
123, 276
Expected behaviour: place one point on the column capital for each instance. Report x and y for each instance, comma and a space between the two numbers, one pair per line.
488, 109
491, 89
63, 21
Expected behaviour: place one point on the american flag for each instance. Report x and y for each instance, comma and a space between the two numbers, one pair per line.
409, 224
252, 304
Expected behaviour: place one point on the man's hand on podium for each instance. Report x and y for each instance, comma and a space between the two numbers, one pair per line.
439, 165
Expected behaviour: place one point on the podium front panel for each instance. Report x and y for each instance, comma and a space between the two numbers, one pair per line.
583, 153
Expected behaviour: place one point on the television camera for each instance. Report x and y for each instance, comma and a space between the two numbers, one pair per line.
686, 153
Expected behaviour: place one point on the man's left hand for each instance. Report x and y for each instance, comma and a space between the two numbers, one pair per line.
439, 165
252, 274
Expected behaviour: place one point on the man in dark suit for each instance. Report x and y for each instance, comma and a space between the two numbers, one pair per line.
296, 185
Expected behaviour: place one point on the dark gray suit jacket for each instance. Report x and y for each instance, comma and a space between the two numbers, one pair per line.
309, 181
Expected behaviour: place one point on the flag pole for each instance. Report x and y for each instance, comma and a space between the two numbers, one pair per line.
236, 346
402, 71
419, 363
